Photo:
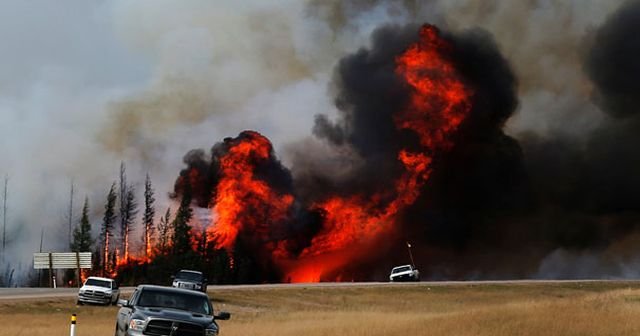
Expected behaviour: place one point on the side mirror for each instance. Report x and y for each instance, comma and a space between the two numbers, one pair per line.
172, 277
123, 303
222, 316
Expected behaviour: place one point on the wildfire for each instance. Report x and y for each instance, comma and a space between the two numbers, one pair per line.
247, 204
439, 102
123, 262
243, 201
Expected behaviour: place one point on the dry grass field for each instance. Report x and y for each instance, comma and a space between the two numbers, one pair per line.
568, 308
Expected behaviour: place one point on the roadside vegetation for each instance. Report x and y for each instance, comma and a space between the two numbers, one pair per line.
567, 308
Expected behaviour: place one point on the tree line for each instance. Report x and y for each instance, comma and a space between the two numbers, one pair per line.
167, 244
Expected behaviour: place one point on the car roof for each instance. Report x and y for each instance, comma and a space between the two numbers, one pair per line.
401, 266
171, 289
189, 271
100, 278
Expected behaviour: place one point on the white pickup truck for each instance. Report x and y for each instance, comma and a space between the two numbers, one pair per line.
99, 290
404, 273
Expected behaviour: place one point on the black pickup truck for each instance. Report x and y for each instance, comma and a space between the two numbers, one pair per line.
166, 311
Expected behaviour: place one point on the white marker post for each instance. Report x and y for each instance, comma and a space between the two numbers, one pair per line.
72, 332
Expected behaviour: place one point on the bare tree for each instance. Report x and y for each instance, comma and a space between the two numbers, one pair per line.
165, 233
124, 231
4, 214
128, 209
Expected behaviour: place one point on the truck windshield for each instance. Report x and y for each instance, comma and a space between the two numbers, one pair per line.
193, 276
99, 283
176, 300
401, 269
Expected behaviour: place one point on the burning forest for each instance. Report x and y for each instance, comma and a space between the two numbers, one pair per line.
340, 132
404, 105
422, 113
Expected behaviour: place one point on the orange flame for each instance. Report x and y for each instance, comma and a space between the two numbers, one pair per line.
439, 102
240, 192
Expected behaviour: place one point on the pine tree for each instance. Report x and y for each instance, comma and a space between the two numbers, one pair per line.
96, 260
165, 233
82, 240
128, 214
108, 223
149, 213
181, 228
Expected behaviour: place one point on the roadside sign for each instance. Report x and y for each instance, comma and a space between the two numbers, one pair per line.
51, 261
62, 260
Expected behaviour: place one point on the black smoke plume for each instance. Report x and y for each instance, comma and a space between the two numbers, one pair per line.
613, 64
482, 178
495, 206
202, 174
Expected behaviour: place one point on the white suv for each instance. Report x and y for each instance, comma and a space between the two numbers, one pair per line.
404, 273
99, 290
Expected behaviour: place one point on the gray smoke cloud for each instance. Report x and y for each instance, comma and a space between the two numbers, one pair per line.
85, 85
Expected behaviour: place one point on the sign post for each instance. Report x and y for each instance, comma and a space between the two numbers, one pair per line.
78, 268
51, 283
53, 260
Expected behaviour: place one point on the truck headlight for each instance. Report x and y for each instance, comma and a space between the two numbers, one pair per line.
211, 332
137, 325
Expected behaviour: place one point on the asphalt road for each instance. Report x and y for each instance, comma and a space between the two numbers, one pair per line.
38, 293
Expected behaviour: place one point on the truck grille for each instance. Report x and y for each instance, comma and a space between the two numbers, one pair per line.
164, 328
93, 294
404, 277
186, 285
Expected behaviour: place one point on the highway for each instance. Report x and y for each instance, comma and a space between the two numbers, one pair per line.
39, 293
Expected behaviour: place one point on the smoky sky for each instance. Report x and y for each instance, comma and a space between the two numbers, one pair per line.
502, 207
369, 92
483, 176
496, 205
601, 171
85, 85
612, 62
597, 180
507, 204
